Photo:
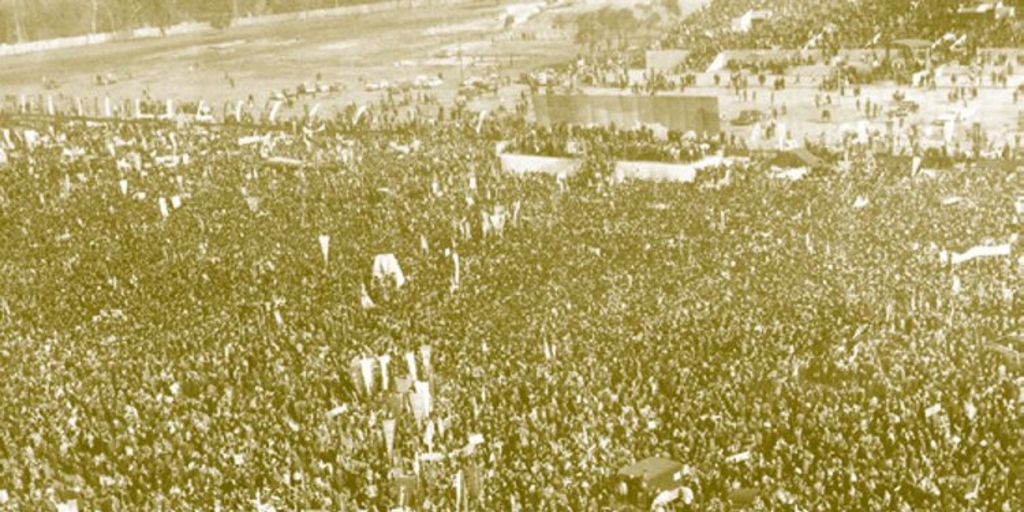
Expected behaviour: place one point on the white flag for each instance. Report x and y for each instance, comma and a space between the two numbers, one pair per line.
386, 265
313, 111
325, 244
455, 270
480, 121
124, 187
366, 365
359, 115
915, 165
389, 435
273, 111
384, 360
163, 208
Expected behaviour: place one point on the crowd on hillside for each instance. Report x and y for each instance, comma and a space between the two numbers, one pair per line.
207, 332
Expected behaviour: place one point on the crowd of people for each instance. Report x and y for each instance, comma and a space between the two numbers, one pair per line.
210, 332
830, 27
644, 144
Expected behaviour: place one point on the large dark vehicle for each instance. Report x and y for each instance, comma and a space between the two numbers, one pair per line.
747, 118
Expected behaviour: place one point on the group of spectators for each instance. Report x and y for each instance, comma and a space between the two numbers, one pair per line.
177, 339
801, 24
644, 144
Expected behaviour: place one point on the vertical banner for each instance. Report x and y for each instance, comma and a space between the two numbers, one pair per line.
423, 389
107, 110
273, 111
455, 270
169, 109
163, 208
384, 360
325, 244
480, 121
49, 105
389, 435
78, 106
238, 110
366, 365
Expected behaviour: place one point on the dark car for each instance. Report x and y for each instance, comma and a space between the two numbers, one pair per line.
748, 117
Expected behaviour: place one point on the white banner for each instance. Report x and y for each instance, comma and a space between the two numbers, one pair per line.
981, 251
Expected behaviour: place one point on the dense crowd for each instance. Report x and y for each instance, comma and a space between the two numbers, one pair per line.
179, 335
829, 27
645, 144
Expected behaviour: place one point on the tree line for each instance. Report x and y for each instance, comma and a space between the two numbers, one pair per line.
30, 20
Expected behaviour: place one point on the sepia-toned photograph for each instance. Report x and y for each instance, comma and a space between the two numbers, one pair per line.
511, 255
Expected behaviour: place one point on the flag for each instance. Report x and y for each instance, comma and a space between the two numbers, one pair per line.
389, 435
386, 265
915, 165
455, 270
384, 360
175, 202
366, 365
364, 298
358, 115
107, 111
169, 109
480, 121
428, 436
49, 105
325, 244
458, 490
423, 390
273, 111
981, 251
163, 208
238, 110
313, 111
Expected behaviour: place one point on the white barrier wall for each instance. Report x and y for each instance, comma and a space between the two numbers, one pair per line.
521, 164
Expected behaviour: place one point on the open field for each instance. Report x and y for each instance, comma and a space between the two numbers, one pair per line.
453, 42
